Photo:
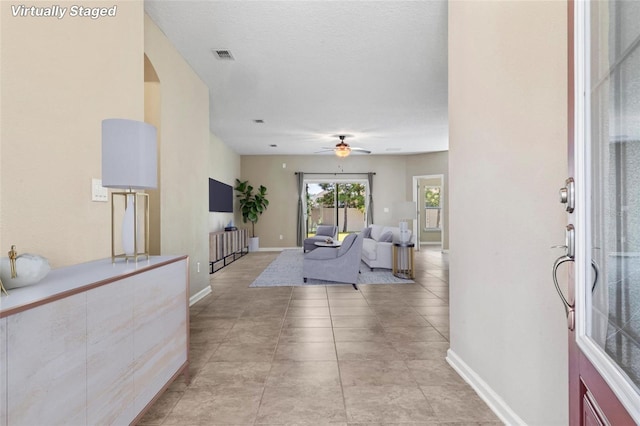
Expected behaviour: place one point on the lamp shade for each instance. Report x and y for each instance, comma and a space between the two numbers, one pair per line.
129, 154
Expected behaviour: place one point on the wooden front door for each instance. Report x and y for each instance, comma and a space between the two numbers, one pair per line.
603, 238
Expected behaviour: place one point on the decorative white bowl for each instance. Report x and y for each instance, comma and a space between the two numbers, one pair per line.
30, 268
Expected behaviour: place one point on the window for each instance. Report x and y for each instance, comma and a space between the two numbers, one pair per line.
432, 207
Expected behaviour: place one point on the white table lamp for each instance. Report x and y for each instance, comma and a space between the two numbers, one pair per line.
130, 162
406, 212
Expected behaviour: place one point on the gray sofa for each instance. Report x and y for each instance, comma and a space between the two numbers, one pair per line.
322, 233
335, 264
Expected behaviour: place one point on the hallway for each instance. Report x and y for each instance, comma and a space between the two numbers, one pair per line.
321, 355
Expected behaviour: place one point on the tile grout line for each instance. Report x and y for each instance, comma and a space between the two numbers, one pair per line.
335, 348
273, 357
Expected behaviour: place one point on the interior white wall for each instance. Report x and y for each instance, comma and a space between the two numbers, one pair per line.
507, 159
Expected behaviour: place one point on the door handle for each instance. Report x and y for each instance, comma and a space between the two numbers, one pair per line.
569, 256
559, 261
569, 308
596, 273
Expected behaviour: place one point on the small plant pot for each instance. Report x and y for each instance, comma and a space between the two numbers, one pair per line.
254, 244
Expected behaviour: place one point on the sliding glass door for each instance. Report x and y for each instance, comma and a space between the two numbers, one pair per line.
336, 202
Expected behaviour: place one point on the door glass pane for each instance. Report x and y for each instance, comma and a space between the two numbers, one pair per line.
351, 208
341, 203
615, 183
432, 207
320, 205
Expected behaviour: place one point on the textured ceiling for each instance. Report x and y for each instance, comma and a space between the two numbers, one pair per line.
314, 69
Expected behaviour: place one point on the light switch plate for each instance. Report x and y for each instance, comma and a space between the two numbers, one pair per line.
98, 192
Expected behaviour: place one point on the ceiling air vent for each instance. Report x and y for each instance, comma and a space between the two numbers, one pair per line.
224, 55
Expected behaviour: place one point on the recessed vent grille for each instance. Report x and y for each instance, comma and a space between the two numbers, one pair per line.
224, 55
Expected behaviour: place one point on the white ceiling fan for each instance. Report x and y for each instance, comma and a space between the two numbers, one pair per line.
342, 149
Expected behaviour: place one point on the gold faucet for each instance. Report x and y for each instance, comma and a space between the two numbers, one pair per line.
13, 255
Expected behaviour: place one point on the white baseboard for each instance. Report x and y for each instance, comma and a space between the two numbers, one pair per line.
199, 295
278, 248
488, 395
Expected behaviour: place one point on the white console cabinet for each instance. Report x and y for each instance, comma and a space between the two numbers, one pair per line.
94, 343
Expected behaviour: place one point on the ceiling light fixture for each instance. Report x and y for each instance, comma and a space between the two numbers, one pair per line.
342, 149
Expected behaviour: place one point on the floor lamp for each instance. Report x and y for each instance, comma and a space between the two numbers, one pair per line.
129, 163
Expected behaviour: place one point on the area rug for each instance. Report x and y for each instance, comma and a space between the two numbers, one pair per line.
286, 270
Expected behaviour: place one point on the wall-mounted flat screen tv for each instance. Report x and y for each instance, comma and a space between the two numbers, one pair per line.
220, 197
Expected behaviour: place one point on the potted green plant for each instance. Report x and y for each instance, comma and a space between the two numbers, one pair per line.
252, 205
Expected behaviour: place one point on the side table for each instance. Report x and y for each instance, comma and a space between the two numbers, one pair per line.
403, 260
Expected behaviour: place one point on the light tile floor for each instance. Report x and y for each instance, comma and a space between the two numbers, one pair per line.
321, 355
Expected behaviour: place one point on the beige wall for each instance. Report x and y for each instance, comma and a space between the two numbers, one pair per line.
224, 166
508, 126
184, 155
60, 79
152, 115
391, 185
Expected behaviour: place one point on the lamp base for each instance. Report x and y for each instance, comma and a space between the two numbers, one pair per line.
405, 234
135, 226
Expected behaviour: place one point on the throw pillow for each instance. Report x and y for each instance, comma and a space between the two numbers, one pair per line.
387, 237
366, 232
376, 231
